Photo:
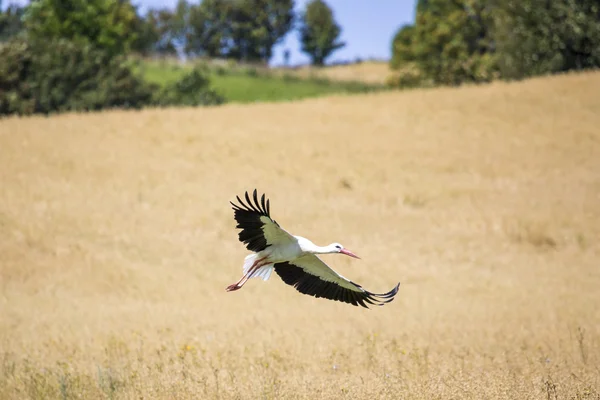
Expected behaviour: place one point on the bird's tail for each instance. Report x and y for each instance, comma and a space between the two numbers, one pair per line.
263, 272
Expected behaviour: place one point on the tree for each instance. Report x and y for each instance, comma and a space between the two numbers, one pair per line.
105, 24
319, 32
422, 5
147, 34
242, 29
455, 41
210, 28
159, 22
179, 24
450, 43
62, 75
537, 36
10, 21
402, 46
264, 23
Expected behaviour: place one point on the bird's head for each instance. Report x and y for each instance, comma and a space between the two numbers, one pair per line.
338, 248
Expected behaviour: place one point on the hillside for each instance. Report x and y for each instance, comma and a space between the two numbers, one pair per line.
240, 83
372, 72
118, 240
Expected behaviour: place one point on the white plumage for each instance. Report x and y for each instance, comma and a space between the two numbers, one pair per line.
294, 258
263, 272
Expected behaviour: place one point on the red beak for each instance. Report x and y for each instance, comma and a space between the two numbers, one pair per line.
349, 253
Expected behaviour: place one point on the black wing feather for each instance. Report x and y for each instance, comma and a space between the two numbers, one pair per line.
314, 286
248, 220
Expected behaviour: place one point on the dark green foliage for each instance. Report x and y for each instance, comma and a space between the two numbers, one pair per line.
68, 76
538, 36
422, 5
402, 46
210, 29
147, 34
258, 26
105, 24
407, 74
73, 57
65, 76
10, 21
319, 32
243, 30
192, 89
451, 42
161, 26
459, 41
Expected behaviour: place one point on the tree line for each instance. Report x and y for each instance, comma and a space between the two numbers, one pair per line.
242, 30
58, 55
458, 41
73, 55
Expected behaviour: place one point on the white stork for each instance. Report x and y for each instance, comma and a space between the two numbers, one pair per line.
294, 258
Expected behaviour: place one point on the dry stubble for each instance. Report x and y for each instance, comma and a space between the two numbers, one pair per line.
117, 242
374, 72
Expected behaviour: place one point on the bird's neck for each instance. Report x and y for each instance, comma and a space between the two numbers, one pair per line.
323, 250
310, 247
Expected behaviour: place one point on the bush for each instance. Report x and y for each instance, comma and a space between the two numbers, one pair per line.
402, 47
68, 76
192, 89
537, 37
408, 76
65, 76
106, 24
453, 42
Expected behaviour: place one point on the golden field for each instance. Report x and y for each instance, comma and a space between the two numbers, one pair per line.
375, 72
117, 241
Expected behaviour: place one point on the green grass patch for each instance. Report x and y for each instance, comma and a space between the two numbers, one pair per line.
247, 84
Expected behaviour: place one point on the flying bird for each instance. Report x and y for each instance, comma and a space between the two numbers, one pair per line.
294, 258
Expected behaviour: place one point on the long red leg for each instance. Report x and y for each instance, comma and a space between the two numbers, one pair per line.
256, 267
238, 285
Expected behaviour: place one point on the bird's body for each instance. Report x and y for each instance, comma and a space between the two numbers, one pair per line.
294, 258
293, 249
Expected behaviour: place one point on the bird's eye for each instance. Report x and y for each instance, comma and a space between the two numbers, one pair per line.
338, 247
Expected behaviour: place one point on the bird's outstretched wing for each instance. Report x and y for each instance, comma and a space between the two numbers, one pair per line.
311, 276
258, 229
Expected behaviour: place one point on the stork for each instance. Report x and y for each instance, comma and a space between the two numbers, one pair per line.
294, 258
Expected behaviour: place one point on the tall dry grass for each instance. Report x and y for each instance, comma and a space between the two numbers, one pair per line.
374, 72
117, 242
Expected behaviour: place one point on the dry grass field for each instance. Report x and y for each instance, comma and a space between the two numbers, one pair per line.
117, 241
375, 72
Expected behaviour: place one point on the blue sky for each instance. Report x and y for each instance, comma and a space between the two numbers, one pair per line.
368, 27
